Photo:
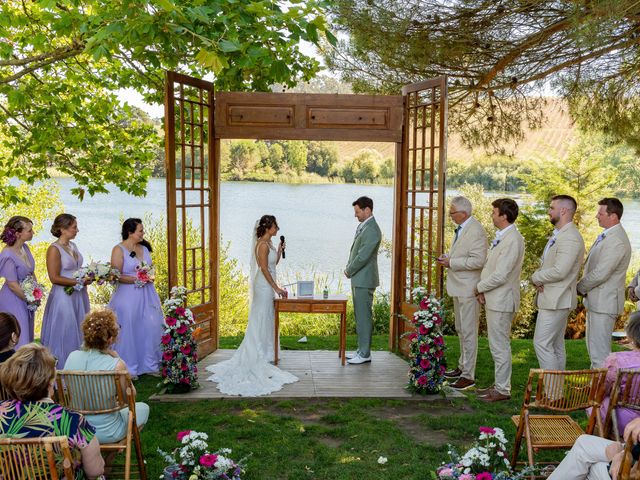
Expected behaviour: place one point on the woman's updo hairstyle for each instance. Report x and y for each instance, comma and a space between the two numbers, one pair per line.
62, 222
265, 223
14, 226
100, 328
8, 326
129, 226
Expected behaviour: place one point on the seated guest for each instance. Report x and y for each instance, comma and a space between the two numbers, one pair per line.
619, 360
596, 458
28, 377
9, 335
100, 330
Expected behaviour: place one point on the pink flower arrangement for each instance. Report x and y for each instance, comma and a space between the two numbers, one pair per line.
193, 460
145, 273
179, 371
427, 363
485, 460
33, 291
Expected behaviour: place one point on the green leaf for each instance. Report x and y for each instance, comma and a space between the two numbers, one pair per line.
166, 5
331, 38
228, 46
211, 60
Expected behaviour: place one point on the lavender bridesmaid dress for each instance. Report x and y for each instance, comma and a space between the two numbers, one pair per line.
13, 269
140, 318
64, 313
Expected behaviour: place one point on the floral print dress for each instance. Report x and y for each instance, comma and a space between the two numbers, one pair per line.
42, 419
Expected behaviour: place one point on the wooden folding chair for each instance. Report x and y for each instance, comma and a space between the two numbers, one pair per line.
35, 459
558, 391
624, 394
629, 470
98, 393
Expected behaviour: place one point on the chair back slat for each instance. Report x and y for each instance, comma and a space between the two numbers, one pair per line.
625, 393
35, 458
568, 390
91, 393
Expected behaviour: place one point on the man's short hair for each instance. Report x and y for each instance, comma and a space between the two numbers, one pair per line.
364, 202
507, 207
568, 199
613, 206
462, 204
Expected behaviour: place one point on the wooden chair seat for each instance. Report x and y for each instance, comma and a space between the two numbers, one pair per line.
551, 431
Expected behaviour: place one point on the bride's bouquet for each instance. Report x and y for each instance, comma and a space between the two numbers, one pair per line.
33, 291
145, 273
98, 272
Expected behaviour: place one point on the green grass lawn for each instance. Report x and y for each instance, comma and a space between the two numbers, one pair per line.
342, 439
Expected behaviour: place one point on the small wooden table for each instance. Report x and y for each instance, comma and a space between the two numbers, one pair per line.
315, 304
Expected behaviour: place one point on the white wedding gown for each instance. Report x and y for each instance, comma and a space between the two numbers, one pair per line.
248, 373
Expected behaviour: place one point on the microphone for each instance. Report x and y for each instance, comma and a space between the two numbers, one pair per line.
282, 241
132, 254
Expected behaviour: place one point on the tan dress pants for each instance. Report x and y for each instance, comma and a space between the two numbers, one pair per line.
548, 339
499, 332
467, 316
585, 460
598, 336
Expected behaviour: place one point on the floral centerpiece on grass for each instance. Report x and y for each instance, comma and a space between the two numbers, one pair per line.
178, 343
194, 461
427, 360
34, 292
486, 460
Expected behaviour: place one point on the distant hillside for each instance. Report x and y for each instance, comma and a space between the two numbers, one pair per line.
552, 140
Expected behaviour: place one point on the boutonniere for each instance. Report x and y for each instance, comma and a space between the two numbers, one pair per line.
494, 243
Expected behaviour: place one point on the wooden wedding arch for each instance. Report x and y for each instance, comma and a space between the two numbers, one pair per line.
197, 118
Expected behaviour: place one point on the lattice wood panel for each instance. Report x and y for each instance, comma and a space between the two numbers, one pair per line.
419, 199
192, 199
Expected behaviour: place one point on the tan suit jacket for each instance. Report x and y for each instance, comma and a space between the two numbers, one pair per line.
467, 256
605, 271
500, 277
560, 270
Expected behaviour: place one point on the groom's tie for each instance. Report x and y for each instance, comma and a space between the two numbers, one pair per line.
359, 229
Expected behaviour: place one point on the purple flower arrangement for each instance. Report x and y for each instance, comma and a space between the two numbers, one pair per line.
427, 360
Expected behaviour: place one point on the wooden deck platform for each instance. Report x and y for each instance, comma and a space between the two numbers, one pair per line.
321, 375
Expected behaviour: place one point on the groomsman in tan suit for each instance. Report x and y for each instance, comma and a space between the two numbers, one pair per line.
603, 281
499, 291
466, 258
556, 281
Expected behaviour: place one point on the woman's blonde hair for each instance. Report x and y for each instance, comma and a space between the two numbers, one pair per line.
27, 374
100, 329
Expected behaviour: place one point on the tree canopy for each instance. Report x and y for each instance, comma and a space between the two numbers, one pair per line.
501, 57
62, 60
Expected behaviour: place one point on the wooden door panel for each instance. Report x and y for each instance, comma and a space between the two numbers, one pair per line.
192, 199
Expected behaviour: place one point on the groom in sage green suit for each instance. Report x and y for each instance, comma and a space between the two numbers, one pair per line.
362, 269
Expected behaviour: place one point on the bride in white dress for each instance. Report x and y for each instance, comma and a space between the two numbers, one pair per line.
249, 372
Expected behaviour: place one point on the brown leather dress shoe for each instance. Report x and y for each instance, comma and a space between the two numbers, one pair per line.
455, 373
494, 396
463, 383
483, 391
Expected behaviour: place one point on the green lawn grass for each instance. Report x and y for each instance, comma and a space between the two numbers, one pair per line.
342, 439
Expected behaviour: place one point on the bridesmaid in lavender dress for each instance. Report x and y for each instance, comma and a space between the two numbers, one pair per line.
64, 313
16, 263
137, 307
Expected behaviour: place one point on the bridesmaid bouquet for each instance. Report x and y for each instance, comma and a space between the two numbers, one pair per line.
33, 291
145, 273
99, 272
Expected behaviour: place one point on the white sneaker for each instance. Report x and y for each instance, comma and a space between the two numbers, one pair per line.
357, 360
349, 356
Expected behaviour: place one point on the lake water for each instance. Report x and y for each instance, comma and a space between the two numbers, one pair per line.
317, 221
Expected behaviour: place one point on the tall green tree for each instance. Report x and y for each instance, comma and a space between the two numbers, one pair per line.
61, 61
499, 56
